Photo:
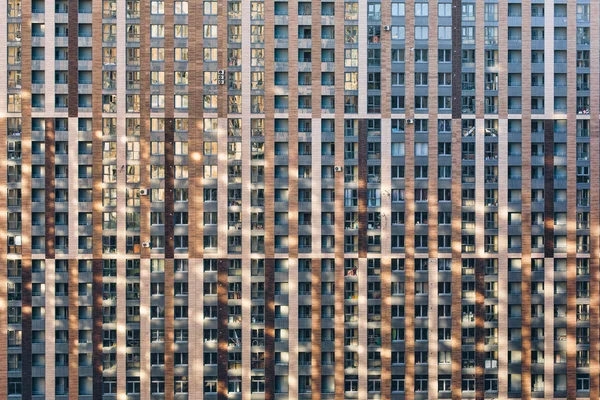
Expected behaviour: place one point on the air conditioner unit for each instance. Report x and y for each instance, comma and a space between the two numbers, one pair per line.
410, 121
143, 192
146, 244
339, 169
387, 27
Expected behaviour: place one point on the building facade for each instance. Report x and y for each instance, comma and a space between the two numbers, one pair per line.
291, 200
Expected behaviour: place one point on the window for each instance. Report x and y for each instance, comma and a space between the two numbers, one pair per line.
257, 384
468, 12
421, 32
444, 10
397, 55
397, 9
157, 7
398, 32
181, 8
444, 32
397, 78
210, 8
210, 32
444, 56
421, 9
468, 34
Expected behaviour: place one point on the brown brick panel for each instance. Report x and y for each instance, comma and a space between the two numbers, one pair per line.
316, 59
338, 322
269, 130
96, 328
571, 326
316, 329
362, 188
433, 128
293, 135
269, 200
432, 191
73, 61
386, 328
526, 206
595, 204
26, 300
169, 204
456, 260
386, 273
292, 191
97, 128
571, 200
3, 266
97, 199
339, 201
222, 54
26, 346
409, 227
49, 186
222, 325
480, 64
169, 188
548, 188
73, 330
269, 328
386, 62
456, 59
145, 133
169, 135
502, 72
169, 328
195, 142
479, 328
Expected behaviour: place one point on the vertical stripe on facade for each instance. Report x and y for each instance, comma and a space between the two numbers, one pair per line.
49, 187
316, 328
502, 238
145, 178
195, 199
316, 300
433, 275
526, 205
97, 172
269, 238
362, 189
73, 89
409, 227
144, 121
571, 200
73, 109
479, 328
293, 212
49, 191
269, 328
548, 188
3, 205
222, 328
595, 202
73, 268
26, 277
339, 201
169, 276
386, 275
456, 198
548, 249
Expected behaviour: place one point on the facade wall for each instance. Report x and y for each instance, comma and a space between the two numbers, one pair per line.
351, 199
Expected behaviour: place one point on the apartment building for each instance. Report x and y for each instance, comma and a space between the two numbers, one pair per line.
228, 199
